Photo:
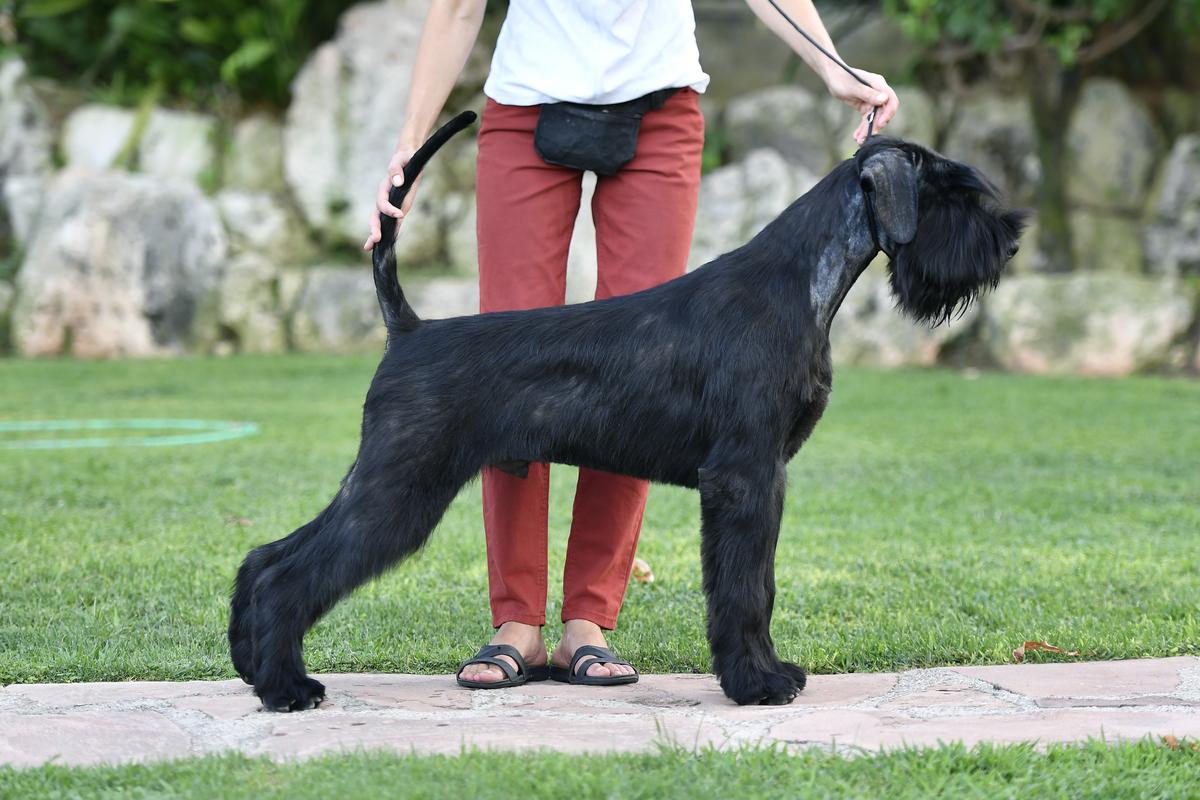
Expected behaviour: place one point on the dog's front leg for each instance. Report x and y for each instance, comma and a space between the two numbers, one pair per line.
740, 511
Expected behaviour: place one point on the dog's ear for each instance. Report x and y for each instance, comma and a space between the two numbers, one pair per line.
891, 178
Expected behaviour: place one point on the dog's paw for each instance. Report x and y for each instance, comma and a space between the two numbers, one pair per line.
796, 672
753, 687
299, 694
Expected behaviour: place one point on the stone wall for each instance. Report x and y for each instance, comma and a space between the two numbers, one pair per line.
174, 231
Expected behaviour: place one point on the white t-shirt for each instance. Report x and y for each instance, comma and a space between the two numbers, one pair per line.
593, 51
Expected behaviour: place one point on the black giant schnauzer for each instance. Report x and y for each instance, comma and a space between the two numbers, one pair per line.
711, 381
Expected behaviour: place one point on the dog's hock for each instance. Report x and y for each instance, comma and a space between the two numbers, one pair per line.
891, 179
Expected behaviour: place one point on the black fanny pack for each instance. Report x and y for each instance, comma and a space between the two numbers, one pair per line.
600, 139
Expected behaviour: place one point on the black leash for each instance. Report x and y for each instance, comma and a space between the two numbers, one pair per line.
870, 117
831, 57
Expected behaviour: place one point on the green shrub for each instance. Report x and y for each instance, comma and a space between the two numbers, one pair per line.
195, 50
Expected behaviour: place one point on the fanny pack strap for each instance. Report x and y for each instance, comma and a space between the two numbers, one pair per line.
638, 105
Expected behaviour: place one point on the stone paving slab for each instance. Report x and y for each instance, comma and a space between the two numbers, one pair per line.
94, 723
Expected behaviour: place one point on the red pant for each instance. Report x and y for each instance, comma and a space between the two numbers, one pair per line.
644, 217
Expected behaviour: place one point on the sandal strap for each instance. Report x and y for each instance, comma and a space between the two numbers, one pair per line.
505, 667
488, 655
602, 655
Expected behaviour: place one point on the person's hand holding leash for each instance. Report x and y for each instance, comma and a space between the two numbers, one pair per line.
878, 97
798, 24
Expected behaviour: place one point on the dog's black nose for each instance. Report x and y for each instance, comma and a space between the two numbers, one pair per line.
1012, 250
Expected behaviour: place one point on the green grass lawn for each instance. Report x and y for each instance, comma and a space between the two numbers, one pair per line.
1143, 770
932, 519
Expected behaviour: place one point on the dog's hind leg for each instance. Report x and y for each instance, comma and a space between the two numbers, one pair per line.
380, 516
740, 513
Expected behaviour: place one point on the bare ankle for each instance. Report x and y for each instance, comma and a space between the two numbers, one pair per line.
522, 636
582, 628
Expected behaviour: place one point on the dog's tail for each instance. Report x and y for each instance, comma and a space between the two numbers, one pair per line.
398, 315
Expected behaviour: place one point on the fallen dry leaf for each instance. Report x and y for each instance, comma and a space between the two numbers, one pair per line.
1027, 647
642, 572
242, 522
1171, 743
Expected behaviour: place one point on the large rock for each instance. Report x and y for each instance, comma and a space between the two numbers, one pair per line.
254, 159
462, 237
335, 310
25, 142
445, 297
180, 145
249, 309
995, 134
348, 101
808, 130
919, 119
869, 330
1113, 146
737, 201
23, 197
25, 137
263, 223
119, 265
1172, 237
1105, 241
94, 135
1087, 323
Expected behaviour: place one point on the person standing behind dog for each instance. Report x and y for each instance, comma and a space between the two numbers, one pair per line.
642, 55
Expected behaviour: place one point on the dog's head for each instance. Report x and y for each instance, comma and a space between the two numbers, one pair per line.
941, 221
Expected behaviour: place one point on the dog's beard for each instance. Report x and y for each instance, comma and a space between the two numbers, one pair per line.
959, 251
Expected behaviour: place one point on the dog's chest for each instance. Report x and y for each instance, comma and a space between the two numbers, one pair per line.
808, 395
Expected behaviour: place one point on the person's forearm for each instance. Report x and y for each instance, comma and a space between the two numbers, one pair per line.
451, 28
806, 16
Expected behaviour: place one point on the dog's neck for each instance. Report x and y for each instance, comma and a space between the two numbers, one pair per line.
841, 263
840, 247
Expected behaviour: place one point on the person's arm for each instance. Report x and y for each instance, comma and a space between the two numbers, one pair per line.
861, 98
450, 30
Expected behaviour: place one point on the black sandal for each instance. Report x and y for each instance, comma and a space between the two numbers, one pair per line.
600, 655
512, 677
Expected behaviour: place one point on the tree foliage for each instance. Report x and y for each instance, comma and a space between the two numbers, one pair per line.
1077, 32
191, 49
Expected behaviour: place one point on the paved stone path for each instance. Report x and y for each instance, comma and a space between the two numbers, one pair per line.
91, 723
